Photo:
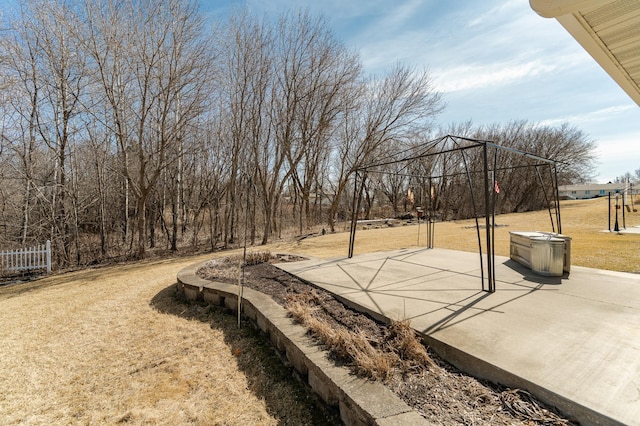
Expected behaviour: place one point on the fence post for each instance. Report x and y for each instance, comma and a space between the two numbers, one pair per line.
48, 257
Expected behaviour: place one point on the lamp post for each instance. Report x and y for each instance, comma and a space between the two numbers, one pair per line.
420, 213
609, 211
616, 228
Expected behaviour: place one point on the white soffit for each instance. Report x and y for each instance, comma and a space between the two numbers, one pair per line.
608, 30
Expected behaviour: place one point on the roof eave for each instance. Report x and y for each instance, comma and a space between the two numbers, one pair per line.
556, 8
570, 15
577, 27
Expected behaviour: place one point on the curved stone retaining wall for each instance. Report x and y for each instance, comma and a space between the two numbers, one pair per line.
360, 401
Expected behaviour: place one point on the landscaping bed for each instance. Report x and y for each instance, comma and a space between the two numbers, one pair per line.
389, 353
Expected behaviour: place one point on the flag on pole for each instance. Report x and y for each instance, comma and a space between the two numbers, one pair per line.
496, 187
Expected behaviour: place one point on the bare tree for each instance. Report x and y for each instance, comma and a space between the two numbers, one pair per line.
150, 71
65, 76
391, 109
126, 126
319, 74
245, 83
520, 179
393, 185
50, 69
19, 130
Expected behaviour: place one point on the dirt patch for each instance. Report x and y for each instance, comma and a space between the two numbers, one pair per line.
438, 391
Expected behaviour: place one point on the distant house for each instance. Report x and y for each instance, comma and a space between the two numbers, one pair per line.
582, 192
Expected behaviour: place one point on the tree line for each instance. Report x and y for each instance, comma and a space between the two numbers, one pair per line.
131, 125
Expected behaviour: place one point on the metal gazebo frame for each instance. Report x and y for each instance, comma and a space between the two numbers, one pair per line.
449, 144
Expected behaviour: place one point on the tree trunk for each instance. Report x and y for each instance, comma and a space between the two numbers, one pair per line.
335, 203
268, 215
26, 207
153, 210
141, 206
174, 228
124, 224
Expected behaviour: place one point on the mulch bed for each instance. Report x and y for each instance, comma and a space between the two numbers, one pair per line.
443, 395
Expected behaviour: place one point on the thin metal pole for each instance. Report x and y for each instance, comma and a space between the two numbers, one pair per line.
487, 219
557, 192
244, 254
493, 217
609, 211
354, 217
356, 209
475, 214
624, 218
429, 215
615, 226
523, 153
546, 199
418, 214
412, 175
416, 157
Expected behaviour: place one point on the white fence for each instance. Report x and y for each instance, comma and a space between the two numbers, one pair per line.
27, 259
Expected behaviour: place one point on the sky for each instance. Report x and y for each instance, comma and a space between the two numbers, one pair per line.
493, 60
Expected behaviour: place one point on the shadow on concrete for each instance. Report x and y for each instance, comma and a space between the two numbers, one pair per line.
530, 276
443, 304
261, 363
583, 324
449, 320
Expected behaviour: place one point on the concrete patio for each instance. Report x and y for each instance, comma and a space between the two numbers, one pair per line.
573, 341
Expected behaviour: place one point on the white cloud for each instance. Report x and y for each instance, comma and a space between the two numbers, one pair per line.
468, 47
398, 15
617, 156
469, 77
604, 114
499, 11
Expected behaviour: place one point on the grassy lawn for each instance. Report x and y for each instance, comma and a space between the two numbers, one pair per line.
113, 346
583, 220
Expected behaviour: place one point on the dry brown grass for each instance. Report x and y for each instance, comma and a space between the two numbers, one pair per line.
400, 351
407, 346
582, 220
350, 346
252, 257
228, 268
112, 346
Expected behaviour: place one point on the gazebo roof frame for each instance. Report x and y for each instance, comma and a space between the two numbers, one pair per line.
410, 154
